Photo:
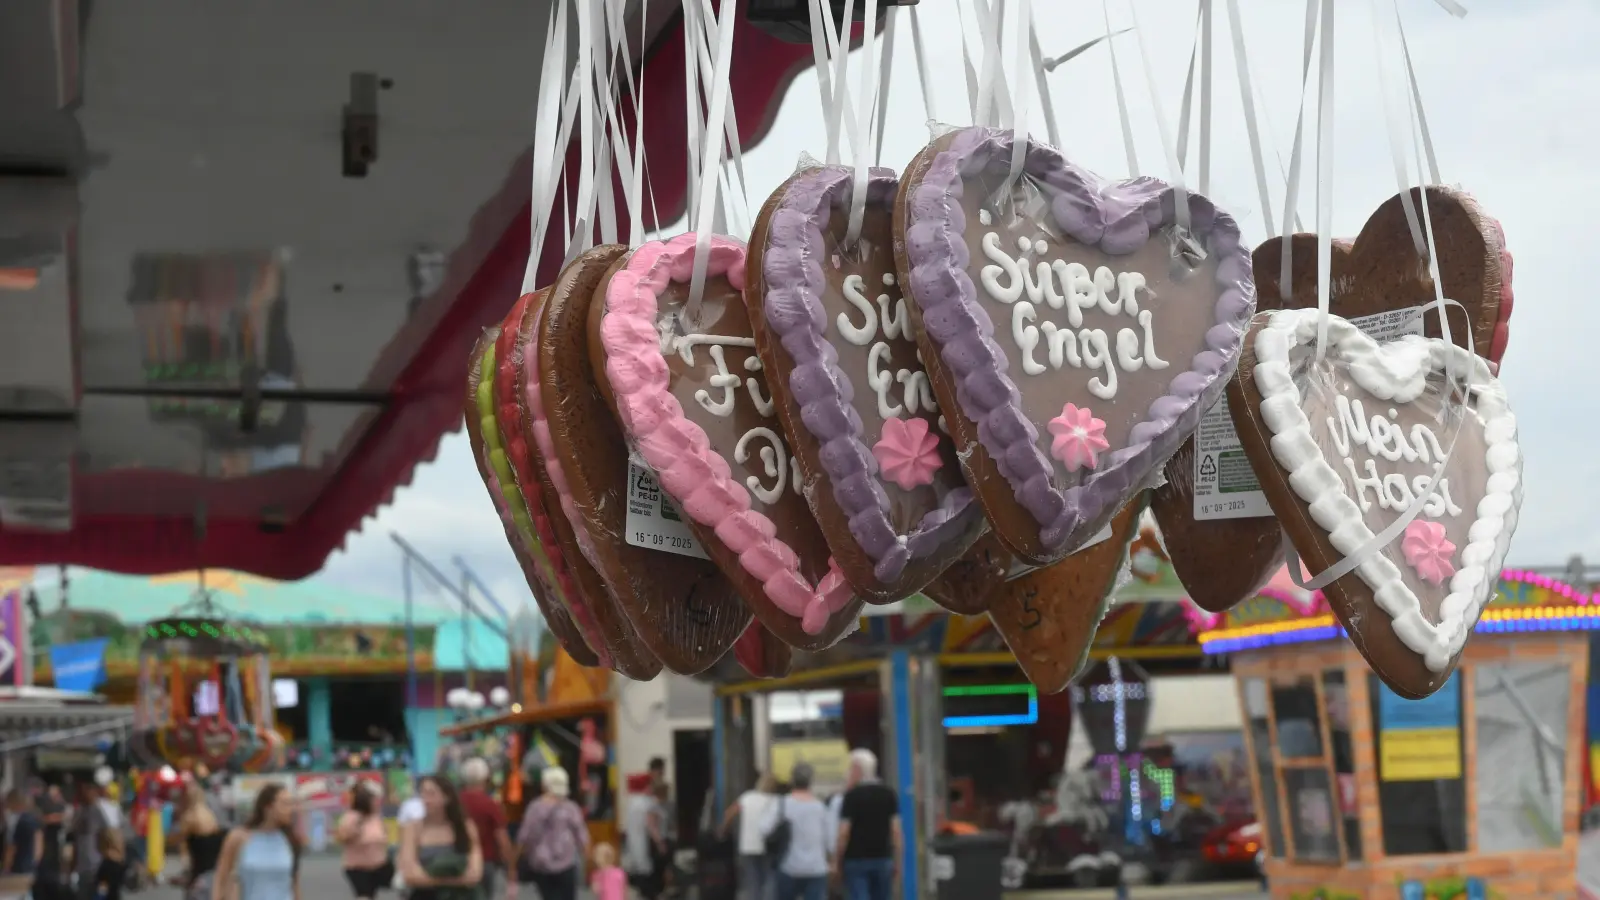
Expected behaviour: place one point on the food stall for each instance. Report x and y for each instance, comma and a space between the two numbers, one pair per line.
1472, 792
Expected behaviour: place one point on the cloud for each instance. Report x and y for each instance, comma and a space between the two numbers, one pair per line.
1500, 88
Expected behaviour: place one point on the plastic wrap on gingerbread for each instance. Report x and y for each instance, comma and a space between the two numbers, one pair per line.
692, 397
836, 343
1079, 328
1346, 444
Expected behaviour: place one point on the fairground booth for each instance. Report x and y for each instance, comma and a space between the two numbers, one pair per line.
1134, 761
1473, 792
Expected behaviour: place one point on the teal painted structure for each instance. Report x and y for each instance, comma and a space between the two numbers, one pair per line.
319, 717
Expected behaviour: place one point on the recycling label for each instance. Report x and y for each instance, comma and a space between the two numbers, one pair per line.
654, 521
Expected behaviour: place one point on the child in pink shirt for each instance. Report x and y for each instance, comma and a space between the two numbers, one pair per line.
607, 880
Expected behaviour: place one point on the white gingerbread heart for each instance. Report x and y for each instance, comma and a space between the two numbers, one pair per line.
1358, 434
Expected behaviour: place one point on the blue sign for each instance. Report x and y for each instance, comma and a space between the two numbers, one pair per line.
81, 666
1412, 890
1476, 890
1440, 710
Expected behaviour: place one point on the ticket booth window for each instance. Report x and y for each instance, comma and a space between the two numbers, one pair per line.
1521, 714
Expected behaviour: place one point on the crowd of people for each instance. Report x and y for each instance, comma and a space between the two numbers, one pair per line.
793, 846
455, 842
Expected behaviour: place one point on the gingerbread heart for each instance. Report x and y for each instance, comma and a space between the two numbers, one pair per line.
835, 341
693, 399
1222, 547
1049, 617
762, 653
1117, 328
483, 433
1346, 441
968, 586
591, 601
680, 607
526, 494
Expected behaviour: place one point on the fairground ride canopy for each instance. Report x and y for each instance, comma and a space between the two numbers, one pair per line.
245, 248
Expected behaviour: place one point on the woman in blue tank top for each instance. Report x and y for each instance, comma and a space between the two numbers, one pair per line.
263, 857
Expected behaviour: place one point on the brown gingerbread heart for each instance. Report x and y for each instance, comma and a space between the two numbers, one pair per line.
970, 584
835, 340
1222, 561
479, 409
1345, 441
532, 452
681, 607
1049, 617
693, 400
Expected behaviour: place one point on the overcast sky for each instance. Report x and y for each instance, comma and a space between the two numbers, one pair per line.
1508, 91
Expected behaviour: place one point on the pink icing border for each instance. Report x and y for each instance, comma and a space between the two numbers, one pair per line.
693, 473
547, 447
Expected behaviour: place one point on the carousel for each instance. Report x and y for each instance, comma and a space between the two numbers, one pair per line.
205, 694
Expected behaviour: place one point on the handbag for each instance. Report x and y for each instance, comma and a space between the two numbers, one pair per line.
777, 840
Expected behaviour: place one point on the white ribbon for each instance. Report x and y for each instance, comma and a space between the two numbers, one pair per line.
1052, 129
922, 68
1247, 98
885, 70
1122, 97
993, 108
1180, 193
1325, 181
1457, 10
1020, 20
1291, 194
713, 155
548, 120
867, 104
839, 45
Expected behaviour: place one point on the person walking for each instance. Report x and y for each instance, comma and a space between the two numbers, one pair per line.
24, 835
489, 816
868, 845
364, 844
441, 856
200, 837
800, 822
644, 837
553, 838
49, 882
261, 860
750, 811
96, 831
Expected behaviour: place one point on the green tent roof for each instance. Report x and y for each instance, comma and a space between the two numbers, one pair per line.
135, 599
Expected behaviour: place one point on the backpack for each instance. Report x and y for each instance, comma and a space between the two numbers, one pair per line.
778, 838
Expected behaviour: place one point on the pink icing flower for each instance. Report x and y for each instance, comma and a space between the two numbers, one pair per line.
1428, 551
1079, 436
907, 453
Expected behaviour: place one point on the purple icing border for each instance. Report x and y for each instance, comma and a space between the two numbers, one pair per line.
1116, 218
792, 269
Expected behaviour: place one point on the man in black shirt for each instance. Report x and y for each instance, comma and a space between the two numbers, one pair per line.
870, 840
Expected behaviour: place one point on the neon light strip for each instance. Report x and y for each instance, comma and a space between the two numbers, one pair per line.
1323, 628
994, 690
991, 690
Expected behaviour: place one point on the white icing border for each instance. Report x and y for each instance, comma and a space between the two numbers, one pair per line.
1397, 372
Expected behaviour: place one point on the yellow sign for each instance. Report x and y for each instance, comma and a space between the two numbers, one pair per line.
1420, 754
829, 759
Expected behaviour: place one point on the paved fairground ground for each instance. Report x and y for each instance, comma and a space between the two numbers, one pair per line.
323, 880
